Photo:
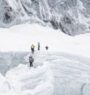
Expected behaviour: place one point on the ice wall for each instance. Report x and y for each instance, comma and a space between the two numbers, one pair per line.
70, 16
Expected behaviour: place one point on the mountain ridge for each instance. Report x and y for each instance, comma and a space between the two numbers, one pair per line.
70, 16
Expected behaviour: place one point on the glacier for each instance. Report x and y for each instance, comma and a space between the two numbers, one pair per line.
70, 16
54, 73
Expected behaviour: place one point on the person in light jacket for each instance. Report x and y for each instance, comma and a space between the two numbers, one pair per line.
32, 48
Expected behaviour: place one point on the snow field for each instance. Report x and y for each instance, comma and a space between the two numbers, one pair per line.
20, 37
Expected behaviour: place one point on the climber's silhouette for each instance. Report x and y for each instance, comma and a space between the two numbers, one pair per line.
32, 48
38, 46
31, 60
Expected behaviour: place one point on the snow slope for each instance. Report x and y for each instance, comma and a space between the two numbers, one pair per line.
71, 73
23, 80
19, 38
33, 81
66, 73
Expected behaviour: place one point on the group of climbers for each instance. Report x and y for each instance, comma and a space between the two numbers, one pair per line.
33, 47
31, 59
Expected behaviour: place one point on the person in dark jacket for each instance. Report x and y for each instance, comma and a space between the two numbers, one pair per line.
38, 46
31, 60
46, 47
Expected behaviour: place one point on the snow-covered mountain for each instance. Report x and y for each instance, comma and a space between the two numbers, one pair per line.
70, 16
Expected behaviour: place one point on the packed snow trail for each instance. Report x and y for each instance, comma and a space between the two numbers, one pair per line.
67, 73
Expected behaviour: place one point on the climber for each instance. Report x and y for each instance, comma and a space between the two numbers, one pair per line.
32, 48
38, 46
31, 60
46, 47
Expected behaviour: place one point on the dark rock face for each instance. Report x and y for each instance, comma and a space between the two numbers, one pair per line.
70, 16
8, 17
